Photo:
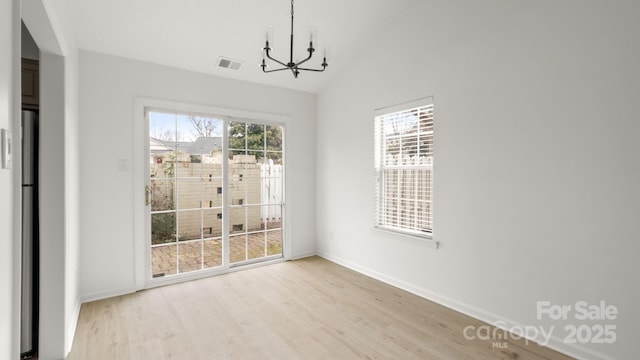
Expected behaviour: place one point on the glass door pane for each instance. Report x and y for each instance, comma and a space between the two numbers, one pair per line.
255, 190
185, 159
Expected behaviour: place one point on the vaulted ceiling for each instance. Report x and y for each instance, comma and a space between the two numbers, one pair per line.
193, 34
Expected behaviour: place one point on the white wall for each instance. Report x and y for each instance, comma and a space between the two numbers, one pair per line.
53, 242
59, 225
9, 182
59, 229
108, 86
536, 170
72, 196
60, 12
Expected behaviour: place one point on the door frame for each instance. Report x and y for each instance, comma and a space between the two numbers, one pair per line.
142, 225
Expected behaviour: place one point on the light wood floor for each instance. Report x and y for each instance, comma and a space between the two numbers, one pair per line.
304, 309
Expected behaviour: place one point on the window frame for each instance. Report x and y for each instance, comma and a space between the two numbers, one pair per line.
424, 237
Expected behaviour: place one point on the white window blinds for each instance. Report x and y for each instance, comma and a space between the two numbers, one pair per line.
404, 168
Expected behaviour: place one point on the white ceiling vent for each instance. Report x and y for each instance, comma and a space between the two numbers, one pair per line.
228, 63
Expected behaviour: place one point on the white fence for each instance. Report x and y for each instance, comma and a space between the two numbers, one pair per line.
272, 177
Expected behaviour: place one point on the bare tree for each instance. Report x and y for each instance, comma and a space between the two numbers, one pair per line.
169, 135
204, 127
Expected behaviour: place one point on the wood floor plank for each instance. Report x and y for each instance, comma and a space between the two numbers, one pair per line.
305, 309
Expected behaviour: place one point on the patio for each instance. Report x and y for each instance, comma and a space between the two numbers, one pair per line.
186, 256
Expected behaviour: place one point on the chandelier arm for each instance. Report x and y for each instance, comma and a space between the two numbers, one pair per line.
274, 70
316, 70
272, 59
305, 60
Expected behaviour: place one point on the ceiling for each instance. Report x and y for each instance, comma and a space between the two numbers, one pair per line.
193, 34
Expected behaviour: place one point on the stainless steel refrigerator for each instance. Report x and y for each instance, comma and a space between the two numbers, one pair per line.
30, 256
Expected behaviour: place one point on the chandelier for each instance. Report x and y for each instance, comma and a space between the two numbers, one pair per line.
291, 65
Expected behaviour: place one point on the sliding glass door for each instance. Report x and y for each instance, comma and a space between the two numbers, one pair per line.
215, 192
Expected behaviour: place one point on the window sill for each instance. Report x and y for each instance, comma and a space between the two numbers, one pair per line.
426, 240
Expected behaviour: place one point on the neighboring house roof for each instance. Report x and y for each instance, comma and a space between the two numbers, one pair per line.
201, 145
156, 147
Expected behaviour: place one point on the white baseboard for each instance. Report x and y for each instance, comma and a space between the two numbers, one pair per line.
72, 329
554, 343
303, 255
106, 294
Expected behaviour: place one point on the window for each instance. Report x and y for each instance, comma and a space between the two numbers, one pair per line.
404, 168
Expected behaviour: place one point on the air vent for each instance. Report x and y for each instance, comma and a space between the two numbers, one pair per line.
228, 63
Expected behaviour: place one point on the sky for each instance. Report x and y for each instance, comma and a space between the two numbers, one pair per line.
160, 123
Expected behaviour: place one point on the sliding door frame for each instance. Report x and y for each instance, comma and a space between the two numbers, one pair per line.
142, 223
